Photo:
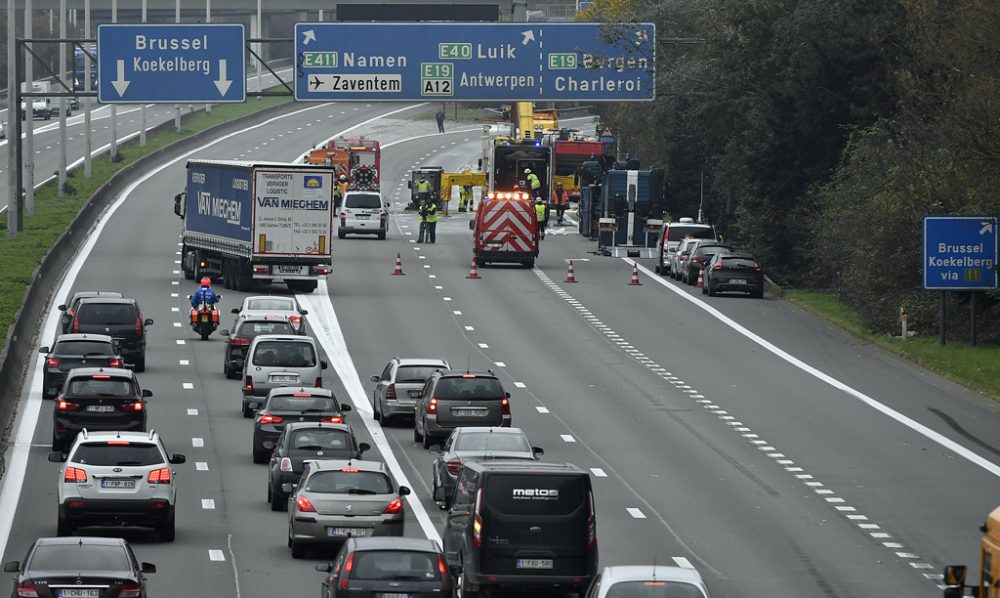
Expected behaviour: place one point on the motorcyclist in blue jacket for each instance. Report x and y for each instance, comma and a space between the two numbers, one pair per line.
205, 293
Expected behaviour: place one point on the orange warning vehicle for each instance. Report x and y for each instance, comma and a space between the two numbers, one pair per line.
505, 229
349, 154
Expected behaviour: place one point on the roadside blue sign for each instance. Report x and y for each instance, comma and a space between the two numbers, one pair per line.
960, 252
139, 64
502, 62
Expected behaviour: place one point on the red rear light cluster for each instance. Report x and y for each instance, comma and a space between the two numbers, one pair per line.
319, 382
442, 566
248, 384
159, 476
454, 467
505, 405
239, 341
321, 270
133, 406
350, 469
27, 590
64, 405
347, 571
52, 362
114, 362
130, 590
394, 507
756, 266
75, 474
286, 464
267, 418
477, 523
432, 406
138, 326
390, 392
304, 505
718, 265
336, 419
76, 324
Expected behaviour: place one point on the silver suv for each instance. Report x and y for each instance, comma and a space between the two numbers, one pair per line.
398, 387
117, 478
276, 360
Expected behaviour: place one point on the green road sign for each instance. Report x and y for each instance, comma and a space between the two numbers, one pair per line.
319, 59
562, 61
455, 51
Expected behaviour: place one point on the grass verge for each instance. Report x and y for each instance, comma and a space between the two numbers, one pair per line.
20, 256
977, 368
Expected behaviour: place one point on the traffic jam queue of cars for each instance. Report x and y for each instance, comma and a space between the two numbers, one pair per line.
687, 250
488, 480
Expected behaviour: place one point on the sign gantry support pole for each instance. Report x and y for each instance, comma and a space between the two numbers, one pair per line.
13, 149
87, 86
142, 107
29, 125
113, 150
63, 102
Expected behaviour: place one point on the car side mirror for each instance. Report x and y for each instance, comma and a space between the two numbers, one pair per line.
177, 458
146, 393
456, 571
344, 408
507, 394
404, 490
364, 447
324, 567
322, 364
288, 488
224, 332
44, 350
304, 312
57, 457
537, 451
63, 308
373, 378
234, 310
148, 322
12, 567
147, 568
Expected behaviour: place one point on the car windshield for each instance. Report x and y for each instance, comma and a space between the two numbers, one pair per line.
318, 439
77, 299
710, 250
285, 354
679, 233
653, 589
121, 452
79, 556
738, 262
115, 314
349, 482
368, 201
110, 387
271, 303
469, 389
486, 441
250, 330
416, 373
394, 564
82, 348
300, 404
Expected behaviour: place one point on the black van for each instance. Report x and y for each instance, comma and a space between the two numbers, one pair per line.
120, 319
522, 524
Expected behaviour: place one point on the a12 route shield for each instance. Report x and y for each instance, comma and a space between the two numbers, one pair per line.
475, 61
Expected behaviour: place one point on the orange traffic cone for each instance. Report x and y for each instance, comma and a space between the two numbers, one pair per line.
701, 278
399, 267
570, 275
473, 272
635, 275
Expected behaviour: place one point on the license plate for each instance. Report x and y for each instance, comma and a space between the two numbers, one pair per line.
469, 412
291, 269
393, 595
737, 281
80, 593
414, 394
362, 216
288, 378
130, 484
204, 318
534, 563
343, 532
101, 408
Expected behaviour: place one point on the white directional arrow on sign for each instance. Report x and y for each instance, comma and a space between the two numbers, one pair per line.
223, 82
120, 83
308, 36
529, 36
987, 228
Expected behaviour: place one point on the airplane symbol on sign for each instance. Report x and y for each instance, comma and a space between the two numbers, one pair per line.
316, 82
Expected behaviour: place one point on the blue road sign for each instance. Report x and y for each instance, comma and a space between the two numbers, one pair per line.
138, 64
475, 61
960, 252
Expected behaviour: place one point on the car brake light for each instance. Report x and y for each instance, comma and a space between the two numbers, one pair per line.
76, 324
432, 407
64, 405
130, 590
654, 584
286, 464
118, 443
114, 362
159, 476
319, 382
52, 362
696, 259
350, 469
239, 341
390, 392
101, 377
27, 590
267, 418
305, 505
138, 326
442, 566
718, 265
296, 320
248, 384
505, 404
302, 395
347, 571
756, 266
477, 523
395, 506
468, 375
75, 474
334, 419
133, 406
454, 467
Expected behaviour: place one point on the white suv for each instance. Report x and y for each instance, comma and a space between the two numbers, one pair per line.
363, 212
117, 478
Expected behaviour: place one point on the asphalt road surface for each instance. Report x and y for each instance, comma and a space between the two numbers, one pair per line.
743, 437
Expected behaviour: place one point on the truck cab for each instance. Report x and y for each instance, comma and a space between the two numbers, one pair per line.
433, 175
988, 585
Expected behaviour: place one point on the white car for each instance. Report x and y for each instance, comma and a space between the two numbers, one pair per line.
117, 478
656, 581
260, 306
3, 130
363, 212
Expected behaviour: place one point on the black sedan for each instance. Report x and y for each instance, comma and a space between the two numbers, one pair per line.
69, 308
98, 399
302, 441
76, 351
730, 271
80, 567
476, 443
292, 404
387, 567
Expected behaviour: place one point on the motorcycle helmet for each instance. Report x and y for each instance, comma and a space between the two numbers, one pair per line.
527, 171
206, 282
343, 177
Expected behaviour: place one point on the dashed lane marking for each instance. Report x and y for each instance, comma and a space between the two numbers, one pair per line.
635, 513
567, 438
541, 409
216, 555
183, 362
197, 442
207, 503
598, 472
192, 412
201, 466
188, 386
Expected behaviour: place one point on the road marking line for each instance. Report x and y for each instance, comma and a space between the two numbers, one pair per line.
520, 384
197, 442
500, 364
180, 341
567, 438
469, 328
683, 562
541, 409
177, 324
207, 503
174, 295
483, 346
183, 362
192, 412
636, 513
201, 466
457, 313
598, 472
188, 386
216, 555
175, 309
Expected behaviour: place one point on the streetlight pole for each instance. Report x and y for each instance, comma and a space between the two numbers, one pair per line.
13, 161
87, 166
29, 116
113, 149
142, 107
63, 102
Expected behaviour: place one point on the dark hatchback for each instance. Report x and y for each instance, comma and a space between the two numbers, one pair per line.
98, 399
730, 271
455, 398
69, 308
243, 332
76, 351
119, 318
81, 567
300, 442
387, 567
292, 404
698, 258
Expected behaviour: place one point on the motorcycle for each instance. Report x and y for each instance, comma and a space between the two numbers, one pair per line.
205, 318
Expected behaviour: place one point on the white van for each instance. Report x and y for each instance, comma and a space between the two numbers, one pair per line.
363, 212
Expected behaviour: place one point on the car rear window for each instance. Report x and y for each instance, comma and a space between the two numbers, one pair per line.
738, 262
116, 453
293, 403
90, 387
285, 354
79, 557
394, 565
250, 329
317, 439
114, 314
678, 233
416, 373
349, 482
275, 303
546, 494
370, 201
653, 589
83, 348
482, 441
469, 389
